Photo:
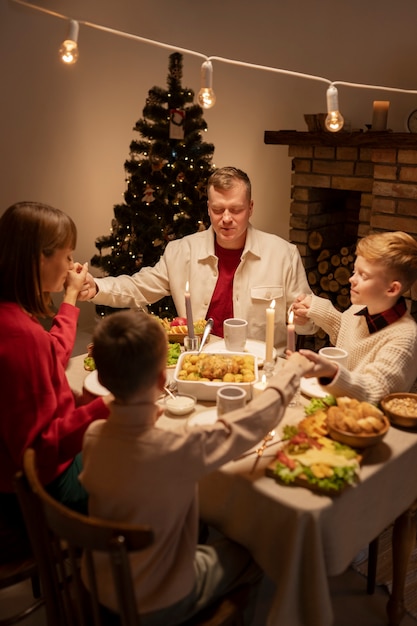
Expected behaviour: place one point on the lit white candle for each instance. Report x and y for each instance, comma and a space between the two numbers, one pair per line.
188, 312
259, 387
291, 332
270, 328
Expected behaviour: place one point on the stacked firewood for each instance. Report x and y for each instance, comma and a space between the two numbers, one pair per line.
330, 277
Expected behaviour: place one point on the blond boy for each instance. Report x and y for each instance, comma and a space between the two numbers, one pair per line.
377, 330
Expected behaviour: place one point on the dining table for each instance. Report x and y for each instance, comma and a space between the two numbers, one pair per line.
298, 537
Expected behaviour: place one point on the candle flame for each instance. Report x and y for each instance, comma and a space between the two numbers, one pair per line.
291, 317
187, 286
263, 379
272, 305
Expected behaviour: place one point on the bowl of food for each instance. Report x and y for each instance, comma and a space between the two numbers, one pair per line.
201, 375
356, 424
176, 329
401, 409
181, 404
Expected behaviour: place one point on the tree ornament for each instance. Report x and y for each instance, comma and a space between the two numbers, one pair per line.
157, 162
176, 123
148, 196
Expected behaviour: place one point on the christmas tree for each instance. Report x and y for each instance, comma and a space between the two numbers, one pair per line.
166, 178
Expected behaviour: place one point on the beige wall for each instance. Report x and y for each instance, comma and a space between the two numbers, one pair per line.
65, 131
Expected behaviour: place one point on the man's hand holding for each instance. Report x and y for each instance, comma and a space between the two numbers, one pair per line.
300, 307
74, 282
88, 289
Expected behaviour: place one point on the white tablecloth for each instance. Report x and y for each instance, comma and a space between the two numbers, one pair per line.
300, 538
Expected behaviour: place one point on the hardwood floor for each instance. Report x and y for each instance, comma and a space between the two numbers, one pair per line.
351, 603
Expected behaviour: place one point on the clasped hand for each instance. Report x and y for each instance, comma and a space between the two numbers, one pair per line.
300, 308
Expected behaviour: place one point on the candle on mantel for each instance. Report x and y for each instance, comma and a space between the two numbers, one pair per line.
188, 312
270, 328
291, 332
380, 115
259, 387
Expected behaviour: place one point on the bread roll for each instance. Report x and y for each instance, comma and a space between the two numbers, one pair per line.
369, 409
351, 424
377, 423
355, 417
366, 425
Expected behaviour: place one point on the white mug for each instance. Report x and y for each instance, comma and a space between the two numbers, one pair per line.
235, 332
335, 354
229, 398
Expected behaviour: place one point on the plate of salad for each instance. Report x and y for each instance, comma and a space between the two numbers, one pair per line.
317, 463
174, 351
173, 354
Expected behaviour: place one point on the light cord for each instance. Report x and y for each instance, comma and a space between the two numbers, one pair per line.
213, 58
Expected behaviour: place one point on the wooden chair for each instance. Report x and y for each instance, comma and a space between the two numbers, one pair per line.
17, 571
58, 536
17, 564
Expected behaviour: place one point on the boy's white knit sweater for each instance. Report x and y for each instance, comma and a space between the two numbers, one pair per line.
379, 363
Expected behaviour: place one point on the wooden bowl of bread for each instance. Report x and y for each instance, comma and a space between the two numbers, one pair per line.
176, 329
401, 409
356, 424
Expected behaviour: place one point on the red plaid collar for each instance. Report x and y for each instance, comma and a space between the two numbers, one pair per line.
378, 321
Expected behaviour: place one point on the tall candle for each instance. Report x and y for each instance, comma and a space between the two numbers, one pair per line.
291, 332
380, 115
188, 312
270, 328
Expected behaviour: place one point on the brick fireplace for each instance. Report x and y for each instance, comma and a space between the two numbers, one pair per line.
344, 186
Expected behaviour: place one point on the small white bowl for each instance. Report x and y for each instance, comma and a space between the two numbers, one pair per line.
181, 404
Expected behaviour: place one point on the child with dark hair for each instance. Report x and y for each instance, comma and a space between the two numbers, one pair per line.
139, 472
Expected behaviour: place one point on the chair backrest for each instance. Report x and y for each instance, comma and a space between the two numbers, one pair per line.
59, 536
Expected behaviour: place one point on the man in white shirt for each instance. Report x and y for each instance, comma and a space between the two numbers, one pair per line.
233, 269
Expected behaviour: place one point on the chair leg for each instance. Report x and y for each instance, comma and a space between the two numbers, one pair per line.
36, 586
372, 563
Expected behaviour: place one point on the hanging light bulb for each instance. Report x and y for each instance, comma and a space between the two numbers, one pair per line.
334, 120
68, 51
206, 96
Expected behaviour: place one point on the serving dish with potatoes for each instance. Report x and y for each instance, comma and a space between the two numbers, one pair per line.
201, 375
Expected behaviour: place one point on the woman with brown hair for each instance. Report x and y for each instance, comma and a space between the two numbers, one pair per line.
38, 407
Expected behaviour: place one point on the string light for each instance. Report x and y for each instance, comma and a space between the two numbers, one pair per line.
69, 48
334, 120
206, 95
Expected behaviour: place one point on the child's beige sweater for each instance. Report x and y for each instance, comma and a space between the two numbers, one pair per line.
379, 363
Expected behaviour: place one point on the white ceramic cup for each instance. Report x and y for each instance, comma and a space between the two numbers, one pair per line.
235, 332
229, 398
334, 354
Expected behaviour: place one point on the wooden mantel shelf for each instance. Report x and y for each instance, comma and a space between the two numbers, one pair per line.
367, 139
